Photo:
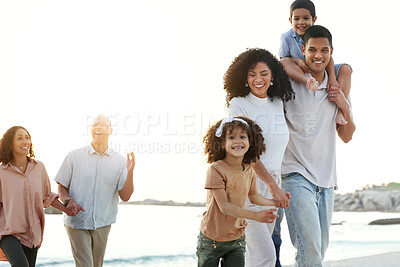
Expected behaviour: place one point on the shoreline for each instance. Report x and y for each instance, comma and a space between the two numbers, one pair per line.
390, 259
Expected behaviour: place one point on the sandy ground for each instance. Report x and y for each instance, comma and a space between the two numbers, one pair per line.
387, 260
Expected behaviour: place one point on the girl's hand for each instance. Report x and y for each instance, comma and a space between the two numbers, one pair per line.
266, 216
282, 201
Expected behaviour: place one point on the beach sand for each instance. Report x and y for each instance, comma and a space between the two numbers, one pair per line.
391, 259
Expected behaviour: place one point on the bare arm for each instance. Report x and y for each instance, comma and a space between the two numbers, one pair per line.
346, 131
262, 201
126, 192
230, 209
330, 69
279, 196
72, 208
58, 205
294, 70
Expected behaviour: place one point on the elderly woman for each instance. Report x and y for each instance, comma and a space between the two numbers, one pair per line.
24, 192
256, 86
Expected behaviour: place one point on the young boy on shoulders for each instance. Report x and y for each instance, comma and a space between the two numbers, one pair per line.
303, 16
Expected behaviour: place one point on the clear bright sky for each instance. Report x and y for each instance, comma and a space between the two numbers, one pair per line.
156, 68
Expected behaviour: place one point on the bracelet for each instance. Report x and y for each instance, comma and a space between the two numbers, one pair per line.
66, 202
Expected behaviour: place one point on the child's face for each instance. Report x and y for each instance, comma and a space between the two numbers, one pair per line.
301, 20
236, 143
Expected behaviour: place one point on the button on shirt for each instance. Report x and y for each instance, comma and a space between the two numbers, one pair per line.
22, 199
291, 45
93, 181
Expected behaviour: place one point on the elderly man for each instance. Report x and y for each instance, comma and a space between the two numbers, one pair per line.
89, 183
309, 163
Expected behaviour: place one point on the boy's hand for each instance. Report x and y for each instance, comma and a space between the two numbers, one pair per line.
302, 64
266, 216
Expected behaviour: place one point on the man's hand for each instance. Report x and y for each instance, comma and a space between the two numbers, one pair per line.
333, 83
266, 216
336, 95
73, 208
130, 161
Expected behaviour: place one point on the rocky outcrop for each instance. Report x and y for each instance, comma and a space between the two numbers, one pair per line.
52, 210
369, 200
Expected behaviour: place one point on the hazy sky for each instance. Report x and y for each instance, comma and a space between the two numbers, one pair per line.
156, 68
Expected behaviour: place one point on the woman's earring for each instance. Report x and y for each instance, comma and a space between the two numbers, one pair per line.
272, 83
246, 84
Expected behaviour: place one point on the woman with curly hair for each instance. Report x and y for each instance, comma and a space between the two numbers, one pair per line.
256, 86
230, 146
24, 192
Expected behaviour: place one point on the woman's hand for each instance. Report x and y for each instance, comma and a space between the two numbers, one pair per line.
282, 200
73, 208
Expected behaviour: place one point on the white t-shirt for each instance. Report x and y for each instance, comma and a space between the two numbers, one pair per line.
269, 115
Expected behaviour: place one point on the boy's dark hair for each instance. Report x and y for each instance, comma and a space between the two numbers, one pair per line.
317, 31
213, 145
235, 78
307, 4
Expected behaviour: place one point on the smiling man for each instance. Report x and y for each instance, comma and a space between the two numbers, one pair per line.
309, 164
89, 182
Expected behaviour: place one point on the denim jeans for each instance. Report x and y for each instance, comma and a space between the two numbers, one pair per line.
309, 217
276, 237
231, 253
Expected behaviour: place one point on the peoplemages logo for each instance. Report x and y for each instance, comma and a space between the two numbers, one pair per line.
155, 124
156, 133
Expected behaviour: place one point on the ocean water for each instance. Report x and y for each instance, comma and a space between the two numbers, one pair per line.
166, 236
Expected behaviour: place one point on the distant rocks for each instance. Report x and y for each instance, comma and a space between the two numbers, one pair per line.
52, 210
385, 221
369, 200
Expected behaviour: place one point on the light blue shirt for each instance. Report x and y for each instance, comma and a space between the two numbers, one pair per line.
291, 45
93, 181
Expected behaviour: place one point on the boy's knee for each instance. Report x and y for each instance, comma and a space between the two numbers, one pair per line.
345, 70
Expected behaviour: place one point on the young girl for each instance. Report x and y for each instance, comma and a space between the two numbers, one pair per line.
231, 145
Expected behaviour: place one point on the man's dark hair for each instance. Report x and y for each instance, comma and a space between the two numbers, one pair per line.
317, 31
307, 4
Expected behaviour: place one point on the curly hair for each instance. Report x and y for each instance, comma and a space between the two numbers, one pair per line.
213, 145
235, 77
6, 145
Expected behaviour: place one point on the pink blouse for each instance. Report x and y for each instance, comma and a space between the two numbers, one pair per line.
22, 199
